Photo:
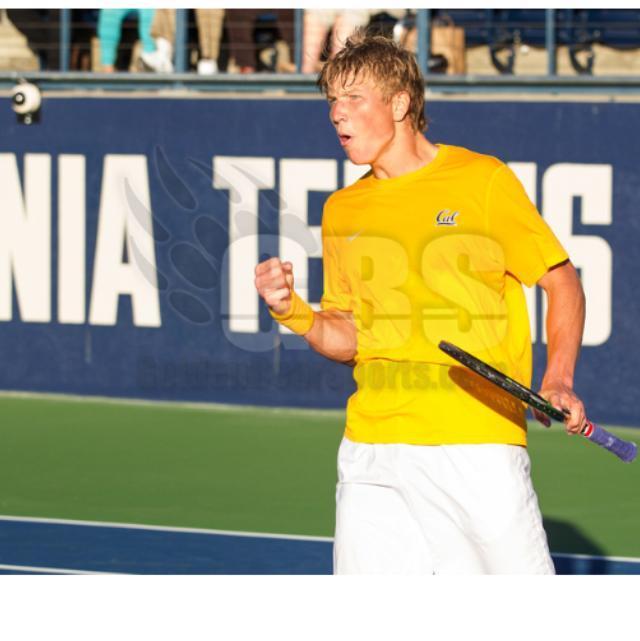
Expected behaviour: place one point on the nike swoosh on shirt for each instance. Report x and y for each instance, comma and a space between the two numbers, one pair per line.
354, 236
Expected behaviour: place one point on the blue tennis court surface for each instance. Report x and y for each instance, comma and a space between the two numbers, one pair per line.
51, 546
144, 550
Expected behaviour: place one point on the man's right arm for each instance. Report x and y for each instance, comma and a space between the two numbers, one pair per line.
331, 333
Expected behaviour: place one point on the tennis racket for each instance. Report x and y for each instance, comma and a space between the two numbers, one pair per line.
624, 450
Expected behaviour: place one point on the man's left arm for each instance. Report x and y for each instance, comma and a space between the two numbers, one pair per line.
565, 324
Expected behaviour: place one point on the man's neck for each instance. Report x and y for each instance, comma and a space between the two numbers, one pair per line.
405, 154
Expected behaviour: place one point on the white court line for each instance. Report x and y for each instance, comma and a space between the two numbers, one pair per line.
589, 557
32, 568
162, 528
142, 402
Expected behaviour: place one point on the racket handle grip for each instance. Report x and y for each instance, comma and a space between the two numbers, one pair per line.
624, 450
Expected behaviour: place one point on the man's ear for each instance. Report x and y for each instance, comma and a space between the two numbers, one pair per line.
400, 105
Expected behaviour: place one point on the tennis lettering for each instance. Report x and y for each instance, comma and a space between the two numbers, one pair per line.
124, 226
90, 289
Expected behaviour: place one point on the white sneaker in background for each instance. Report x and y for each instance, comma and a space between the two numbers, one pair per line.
155, 61
207, 67
165, 47
165, 50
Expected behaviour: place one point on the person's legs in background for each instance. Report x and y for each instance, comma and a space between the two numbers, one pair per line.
109, 32
317, 23
153, 57
145, 19
209, 23
163, 29
344, 25
240, 25
285, 45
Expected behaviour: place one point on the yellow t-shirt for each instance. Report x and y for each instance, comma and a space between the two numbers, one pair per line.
436, 254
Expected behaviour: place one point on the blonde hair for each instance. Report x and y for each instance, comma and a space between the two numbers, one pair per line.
391, 67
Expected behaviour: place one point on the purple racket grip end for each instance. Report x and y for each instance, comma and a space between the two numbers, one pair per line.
624, 450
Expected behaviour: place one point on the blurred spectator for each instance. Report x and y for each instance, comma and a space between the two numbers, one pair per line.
41, 28
340, 24
84, 25
240, 27
209, 23
318, 23
110, 31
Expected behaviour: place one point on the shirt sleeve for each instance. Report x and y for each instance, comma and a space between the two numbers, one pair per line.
337, 293
530, 247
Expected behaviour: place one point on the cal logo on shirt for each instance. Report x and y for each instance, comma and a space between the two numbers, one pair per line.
447, 218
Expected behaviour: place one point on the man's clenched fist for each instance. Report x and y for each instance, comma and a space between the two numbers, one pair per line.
274, 282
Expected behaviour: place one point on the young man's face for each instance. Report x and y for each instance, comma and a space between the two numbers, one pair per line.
363, 120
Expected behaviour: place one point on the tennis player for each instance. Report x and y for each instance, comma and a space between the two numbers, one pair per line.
434, 242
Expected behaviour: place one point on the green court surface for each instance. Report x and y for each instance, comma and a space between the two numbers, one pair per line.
260, 470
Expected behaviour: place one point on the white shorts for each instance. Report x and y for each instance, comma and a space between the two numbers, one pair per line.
445, 509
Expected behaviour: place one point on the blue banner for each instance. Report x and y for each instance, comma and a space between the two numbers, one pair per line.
130, 228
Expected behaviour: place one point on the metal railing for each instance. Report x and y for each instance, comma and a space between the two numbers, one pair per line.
298, 82
422, 19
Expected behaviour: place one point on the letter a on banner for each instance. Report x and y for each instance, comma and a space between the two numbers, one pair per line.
125, 222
